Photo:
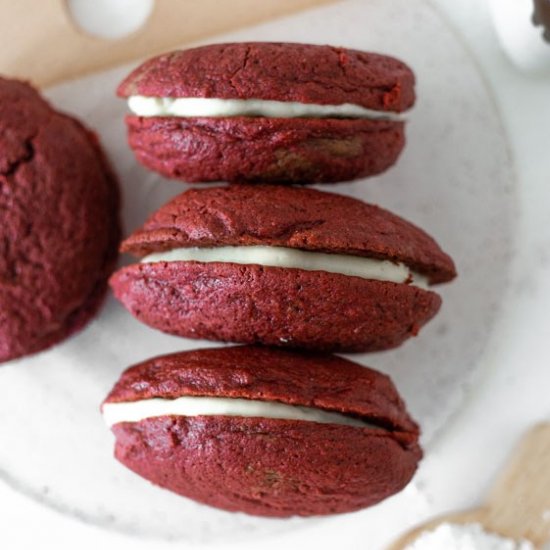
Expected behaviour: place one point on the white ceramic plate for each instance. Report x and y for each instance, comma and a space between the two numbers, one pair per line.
455, 179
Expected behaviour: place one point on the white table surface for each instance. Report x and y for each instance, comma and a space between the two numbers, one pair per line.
510, 392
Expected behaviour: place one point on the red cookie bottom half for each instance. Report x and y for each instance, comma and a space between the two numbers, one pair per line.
278, 150
253, 304
269, 467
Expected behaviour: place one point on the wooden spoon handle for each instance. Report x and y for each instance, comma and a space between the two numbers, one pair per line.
519, 504
44, 44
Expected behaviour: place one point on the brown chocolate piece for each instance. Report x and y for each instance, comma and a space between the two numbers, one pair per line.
541, 16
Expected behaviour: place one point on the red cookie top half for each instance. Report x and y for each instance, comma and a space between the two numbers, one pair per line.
294, 217
304, 73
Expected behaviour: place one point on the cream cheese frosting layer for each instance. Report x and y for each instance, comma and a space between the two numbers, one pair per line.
213, 107
134, 411
277, 256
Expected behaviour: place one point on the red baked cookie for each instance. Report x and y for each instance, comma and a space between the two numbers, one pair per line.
59, 228
264, 431
270, 112
282, 266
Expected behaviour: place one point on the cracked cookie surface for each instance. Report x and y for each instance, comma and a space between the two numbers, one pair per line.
278, 71
59, 231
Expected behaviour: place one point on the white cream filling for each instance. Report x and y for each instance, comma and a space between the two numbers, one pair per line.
213, 107
134, 411
277, 256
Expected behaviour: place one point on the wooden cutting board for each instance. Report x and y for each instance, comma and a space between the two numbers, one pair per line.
518, 507
41, 42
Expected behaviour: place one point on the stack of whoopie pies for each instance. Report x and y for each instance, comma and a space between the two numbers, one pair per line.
287, 429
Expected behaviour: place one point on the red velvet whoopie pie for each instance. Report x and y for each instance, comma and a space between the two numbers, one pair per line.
264, 431
59, 223
283, 266
268, 112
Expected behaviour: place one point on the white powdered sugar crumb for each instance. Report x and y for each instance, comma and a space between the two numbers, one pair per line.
470, 536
